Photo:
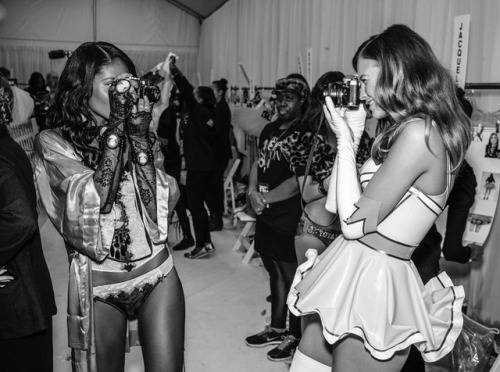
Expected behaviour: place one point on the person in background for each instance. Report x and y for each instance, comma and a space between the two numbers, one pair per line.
198, 137
364, 289
274, 195
27, 302
317, 146
52, 81
99, 179
38, 91
222, 153
170, 139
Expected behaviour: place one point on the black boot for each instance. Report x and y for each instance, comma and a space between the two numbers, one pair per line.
185, 243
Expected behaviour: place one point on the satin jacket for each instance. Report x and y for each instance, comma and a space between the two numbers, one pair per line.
67, 192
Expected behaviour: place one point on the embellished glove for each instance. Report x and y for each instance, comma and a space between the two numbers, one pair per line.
121, 100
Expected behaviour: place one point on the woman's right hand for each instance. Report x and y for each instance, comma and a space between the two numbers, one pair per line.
5, 277
257, 202
122, 95
345, 123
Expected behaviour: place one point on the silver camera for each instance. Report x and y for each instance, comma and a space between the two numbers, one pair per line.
344, 93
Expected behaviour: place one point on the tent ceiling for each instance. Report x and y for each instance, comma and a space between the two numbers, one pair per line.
200, 9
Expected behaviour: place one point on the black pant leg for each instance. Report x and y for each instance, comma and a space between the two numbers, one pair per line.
278, 292
28, 354
196, 187
215, 196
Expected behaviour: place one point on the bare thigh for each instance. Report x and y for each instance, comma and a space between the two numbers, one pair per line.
161, 326
303, 243
350, 354
110, 336
312, 343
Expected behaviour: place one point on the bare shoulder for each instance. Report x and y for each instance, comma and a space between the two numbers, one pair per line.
420, 136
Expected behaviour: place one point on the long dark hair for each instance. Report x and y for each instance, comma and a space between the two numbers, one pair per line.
70, 109
413, 83
36, 83
314, 116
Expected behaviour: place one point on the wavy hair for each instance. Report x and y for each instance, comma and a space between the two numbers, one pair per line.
70, 110
314, 116
413, 83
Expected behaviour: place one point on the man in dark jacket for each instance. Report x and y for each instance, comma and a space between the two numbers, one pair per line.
26, 296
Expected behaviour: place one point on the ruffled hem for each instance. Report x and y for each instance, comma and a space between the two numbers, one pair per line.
380, 299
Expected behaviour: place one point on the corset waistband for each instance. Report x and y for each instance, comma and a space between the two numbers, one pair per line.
387, 246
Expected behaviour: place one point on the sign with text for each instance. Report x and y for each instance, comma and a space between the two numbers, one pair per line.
300, 69
309, 66
460, 48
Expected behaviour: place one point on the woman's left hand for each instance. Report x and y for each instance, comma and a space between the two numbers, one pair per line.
138, 122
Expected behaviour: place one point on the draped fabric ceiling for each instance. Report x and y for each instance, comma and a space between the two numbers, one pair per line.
266, 36
146, 30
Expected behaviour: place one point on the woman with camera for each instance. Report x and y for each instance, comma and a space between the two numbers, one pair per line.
364, 289
99, 179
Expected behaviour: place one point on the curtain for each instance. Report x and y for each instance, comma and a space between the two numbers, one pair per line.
267, 36
146, 30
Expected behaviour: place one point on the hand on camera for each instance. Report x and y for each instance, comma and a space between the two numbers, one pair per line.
120, 100
343, 122
138, 122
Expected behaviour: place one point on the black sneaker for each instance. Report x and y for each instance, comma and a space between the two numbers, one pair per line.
185, 243
264, 338
197, 252
285, 350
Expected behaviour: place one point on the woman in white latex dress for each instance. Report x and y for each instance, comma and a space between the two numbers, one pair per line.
369, 302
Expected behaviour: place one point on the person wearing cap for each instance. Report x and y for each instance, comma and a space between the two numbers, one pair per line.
274, 196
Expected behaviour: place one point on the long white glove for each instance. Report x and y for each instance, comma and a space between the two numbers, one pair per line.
345, 186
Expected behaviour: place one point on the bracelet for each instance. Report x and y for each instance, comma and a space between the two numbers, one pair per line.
141, 156
112, 138
249, 192
321, 188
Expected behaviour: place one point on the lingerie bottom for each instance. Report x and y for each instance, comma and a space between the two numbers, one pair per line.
130, 303
326, 234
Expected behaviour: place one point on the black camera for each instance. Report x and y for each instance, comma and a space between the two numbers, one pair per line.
142, 87
344, 93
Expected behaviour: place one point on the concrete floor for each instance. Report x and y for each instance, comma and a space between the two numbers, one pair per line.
225, 302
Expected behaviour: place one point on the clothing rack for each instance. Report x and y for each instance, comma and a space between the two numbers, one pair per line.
256, 88
482, 86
